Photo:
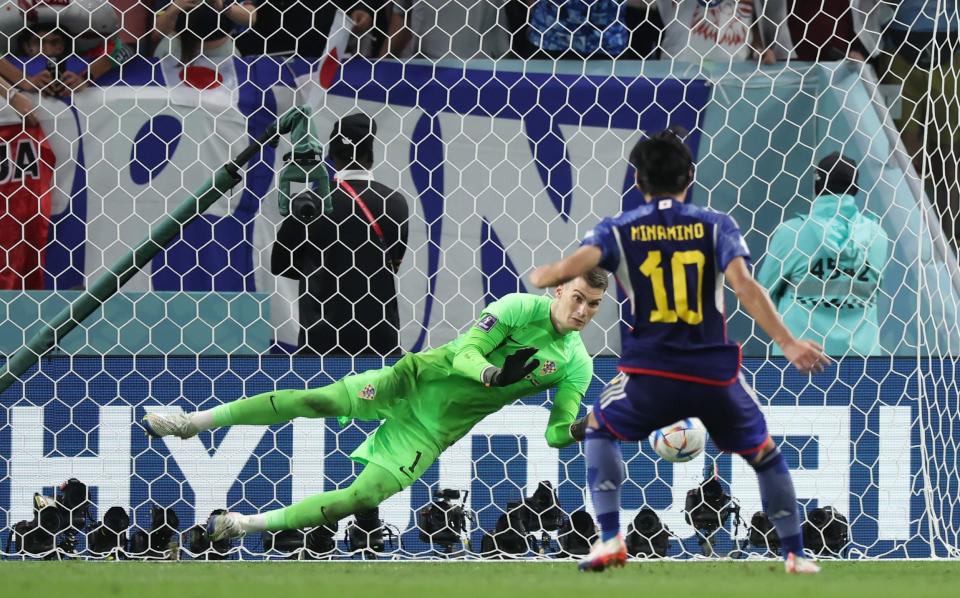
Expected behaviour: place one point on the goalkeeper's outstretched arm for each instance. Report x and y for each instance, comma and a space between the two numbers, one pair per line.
471, 361
560, 429
471, 358
489, 332
563, 427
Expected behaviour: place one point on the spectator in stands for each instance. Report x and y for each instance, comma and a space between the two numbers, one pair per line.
578, 29
399, 35
288, 27
517, 15
26, 180
837, 29
53, 44
89, 31
136, 20
347, 260
643, 20
828, 29
372, 39
18, 102
203, 26
725, 30
436, 29
922, 58
823, 271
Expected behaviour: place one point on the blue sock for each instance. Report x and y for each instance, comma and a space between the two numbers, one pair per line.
780, 501
604, 478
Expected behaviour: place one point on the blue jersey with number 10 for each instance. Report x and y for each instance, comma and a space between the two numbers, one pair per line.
669, 258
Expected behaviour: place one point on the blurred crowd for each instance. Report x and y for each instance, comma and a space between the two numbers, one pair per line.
689, 30
693, 30
910, 46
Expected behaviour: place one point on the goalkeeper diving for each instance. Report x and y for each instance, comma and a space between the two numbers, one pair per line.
520, 345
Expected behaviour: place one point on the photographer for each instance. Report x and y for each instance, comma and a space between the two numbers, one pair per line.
346, 260
85, 34
41, 39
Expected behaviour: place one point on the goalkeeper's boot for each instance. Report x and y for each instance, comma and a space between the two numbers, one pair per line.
612, 553
174, 424
225, 527
800, 565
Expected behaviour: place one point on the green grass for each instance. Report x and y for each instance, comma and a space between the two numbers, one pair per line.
438, 580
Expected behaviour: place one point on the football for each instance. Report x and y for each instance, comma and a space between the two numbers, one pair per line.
681, 441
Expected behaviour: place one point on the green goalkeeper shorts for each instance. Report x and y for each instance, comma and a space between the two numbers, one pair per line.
401, 444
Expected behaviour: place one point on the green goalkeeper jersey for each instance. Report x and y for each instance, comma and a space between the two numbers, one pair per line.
453, 398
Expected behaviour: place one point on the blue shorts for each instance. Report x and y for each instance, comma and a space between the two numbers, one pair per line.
634, 405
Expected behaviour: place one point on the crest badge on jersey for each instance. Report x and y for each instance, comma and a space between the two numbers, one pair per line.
368, 392
548, 368
487, 322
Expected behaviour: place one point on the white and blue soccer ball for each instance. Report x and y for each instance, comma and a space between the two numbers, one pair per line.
680, 442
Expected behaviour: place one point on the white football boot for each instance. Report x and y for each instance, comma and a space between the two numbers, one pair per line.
612, 553
225, 527
800, 565
174, 424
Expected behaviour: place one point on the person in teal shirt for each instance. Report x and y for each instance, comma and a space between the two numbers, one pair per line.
823, 271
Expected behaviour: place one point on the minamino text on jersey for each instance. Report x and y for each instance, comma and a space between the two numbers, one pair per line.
659, 232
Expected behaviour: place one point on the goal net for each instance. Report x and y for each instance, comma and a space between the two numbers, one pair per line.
505, 128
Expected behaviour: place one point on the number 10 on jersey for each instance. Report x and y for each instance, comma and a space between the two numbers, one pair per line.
652, 268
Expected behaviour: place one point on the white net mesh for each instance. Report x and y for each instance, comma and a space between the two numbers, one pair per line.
504, 128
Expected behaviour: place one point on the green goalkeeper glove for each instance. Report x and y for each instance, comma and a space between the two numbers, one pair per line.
515, 368
578, 429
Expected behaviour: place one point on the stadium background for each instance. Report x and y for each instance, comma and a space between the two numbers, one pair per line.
506, 165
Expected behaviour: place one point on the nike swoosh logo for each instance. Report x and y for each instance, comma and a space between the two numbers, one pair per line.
272, 404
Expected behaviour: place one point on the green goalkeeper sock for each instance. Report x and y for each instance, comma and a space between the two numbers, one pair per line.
278, 406
373, 486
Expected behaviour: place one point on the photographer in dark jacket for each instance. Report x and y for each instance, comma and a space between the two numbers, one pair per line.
347, 260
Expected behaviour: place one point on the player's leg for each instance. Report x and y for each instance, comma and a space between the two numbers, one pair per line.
605, 469
605, 474
394, 456
373, 486
779, 500
624, 411
368, 395
737, 425
264, 409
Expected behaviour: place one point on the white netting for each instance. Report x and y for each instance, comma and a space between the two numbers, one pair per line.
505, 127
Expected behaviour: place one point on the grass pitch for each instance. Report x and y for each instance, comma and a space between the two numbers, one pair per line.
437, 580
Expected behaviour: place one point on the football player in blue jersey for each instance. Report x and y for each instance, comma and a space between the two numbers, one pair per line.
670, 258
